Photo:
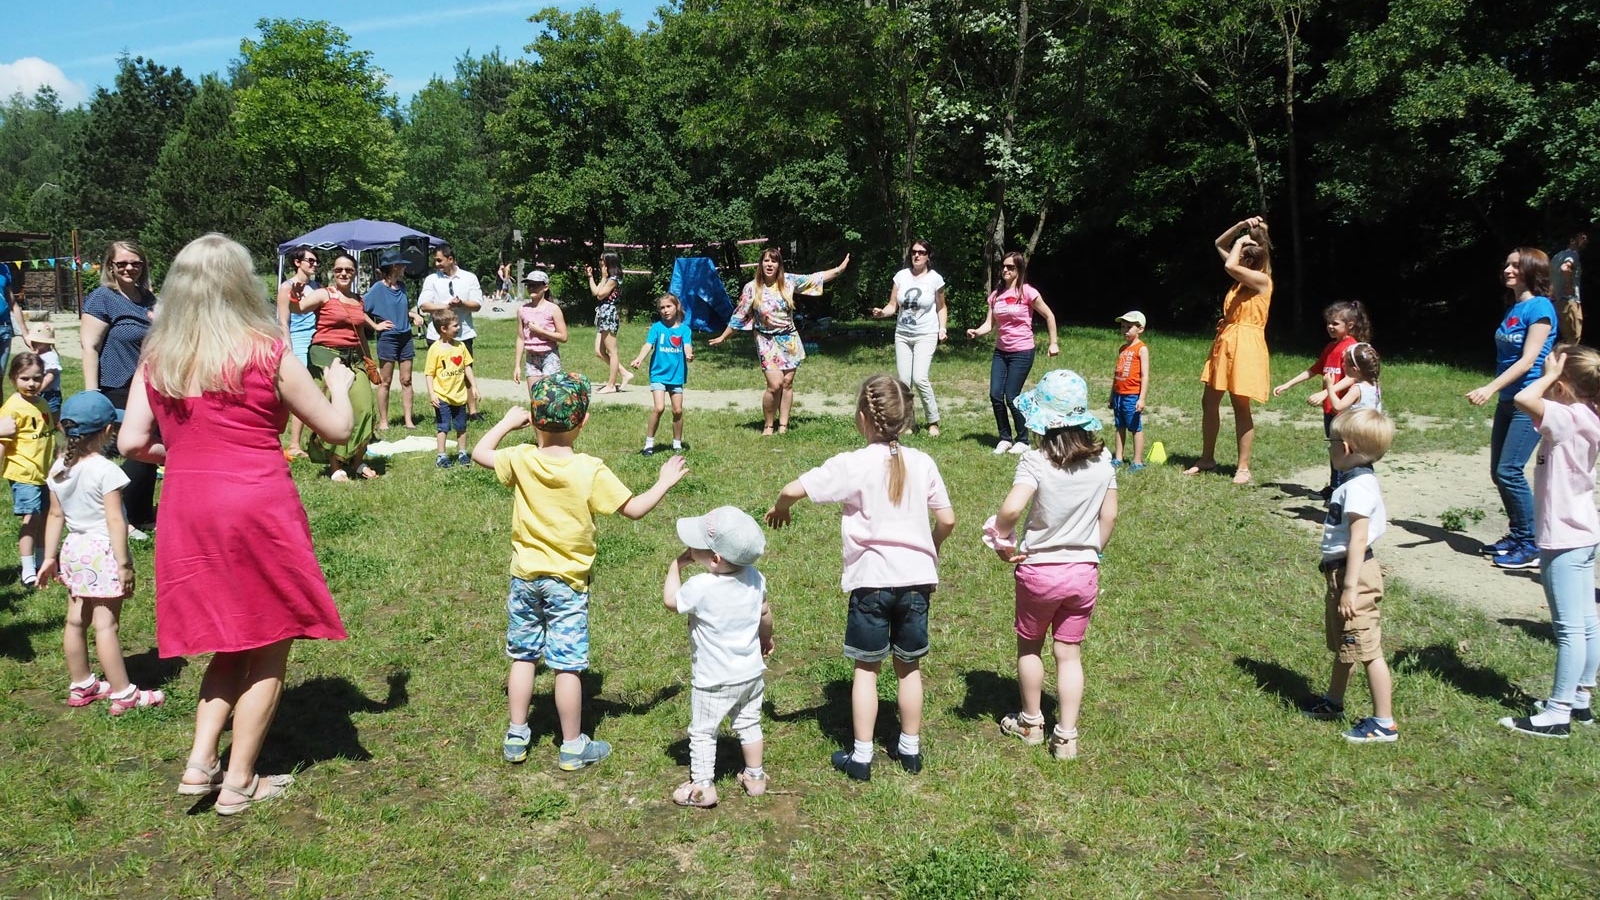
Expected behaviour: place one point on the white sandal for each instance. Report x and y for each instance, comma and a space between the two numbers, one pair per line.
278, 783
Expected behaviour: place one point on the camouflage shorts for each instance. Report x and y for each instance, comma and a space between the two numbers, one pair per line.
547, 619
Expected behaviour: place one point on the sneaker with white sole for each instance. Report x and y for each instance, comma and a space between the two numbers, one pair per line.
1001, 447
593, 752
1064, 746
1522, 556
1322, 708
1019, 448
1580, 716
515, 747
1524, 724
135, 534
1503, 545
1368, 731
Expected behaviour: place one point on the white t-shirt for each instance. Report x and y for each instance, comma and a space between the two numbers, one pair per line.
724, 613
438, 288
1064, 522
1563, 479
919, 302
83, 494
51, 360
1358, 496
885, 546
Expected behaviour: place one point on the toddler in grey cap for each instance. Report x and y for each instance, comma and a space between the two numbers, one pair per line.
730, 636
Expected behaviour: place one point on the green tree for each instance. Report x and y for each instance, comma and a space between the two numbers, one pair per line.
35, 137
312, 118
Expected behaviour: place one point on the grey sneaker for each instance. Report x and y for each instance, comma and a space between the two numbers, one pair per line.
593, 752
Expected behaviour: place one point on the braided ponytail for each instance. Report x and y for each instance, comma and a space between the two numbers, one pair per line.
79, 446
883, 412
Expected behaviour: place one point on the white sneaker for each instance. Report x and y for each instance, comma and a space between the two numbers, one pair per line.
1001, 447
1019, 448
135, 534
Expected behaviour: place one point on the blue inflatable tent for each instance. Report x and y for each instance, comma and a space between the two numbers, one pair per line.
705, 301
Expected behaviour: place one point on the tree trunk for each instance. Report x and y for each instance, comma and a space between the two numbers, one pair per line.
1289, 25
995, 241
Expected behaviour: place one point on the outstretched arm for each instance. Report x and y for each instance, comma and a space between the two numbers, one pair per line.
778, 515
483, 452
639, 505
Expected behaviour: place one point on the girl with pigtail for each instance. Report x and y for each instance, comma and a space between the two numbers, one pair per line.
891, 557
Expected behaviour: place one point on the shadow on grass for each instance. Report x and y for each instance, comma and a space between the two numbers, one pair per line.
16, 639
597, 708
1539, 630
1290, 687
832, 715
991, 696
1183, 461
149, 670
1435, 534
1444, 662
313, 722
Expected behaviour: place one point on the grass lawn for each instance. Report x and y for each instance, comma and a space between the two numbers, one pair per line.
1197, 779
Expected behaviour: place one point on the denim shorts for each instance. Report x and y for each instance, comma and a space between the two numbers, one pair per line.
396, 345
546, 618
1125, 412
27, 499
52, 399
882, 619
659, 388
449, 417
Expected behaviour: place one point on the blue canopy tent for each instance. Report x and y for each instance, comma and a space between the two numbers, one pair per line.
696, 283
355, 236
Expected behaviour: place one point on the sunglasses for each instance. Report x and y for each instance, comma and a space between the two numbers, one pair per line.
123, 264
311, 262
919, 253
344, 271
1008, 266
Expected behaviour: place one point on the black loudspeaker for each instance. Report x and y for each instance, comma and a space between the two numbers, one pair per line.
415, 249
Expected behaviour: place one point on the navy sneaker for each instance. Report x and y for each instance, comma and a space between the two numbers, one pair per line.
1368, 731
858, 771
444, 461
1503, 545
911, 762
1522, 556
648, 451
593, 752
1526, 726
463, 458
1321, 708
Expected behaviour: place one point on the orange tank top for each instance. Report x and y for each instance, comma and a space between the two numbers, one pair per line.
1129, 377
339, 321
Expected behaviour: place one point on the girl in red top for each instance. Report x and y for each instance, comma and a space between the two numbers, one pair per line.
1348, 325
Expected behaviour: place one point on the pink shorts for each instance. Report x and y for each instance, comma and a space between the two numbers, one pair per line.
1058, 597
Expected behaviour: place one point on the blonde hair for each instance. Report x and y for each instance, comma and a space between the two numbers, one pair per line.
1368, 433
215, 321
443, 317
108, 273
884, 410
1581, 372
676, 304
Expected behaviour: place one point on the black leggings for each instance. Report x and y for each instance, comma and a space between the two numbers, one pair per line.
139, 497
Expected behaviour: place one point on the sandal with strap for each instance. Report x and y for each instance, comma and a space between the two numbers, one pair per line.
753, 786
700, 796
83, 696
1064, 746
213, 782
278, 784
139, 699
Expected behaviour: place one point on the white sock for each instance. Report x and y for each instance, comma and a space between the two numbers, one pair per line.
1387, 723
127, 694
29, 568
1030, 721
89, 682
862, 752
1065, 733
756, 772
521, 731
1556, 712
576, 745
910, 744
1580, 700
649, 442
677, 444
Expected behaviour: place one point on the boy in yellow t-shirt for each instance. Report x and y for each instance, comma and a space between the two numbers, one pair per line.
450, 384
28, 443
556, 493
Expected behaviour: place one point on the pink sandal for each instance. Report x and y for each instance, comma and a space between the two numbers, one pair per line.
83, 696
138, 699
699, 796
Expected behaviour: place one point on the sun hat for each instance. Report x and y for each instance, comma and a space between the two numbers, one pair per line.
538, 276
727, 531
392, 257
1059, 400
41, 333
1133, 316
88, 412
559, 402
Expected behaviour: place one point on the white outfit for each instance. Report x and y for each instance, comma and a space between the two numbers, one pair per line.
1064, 521
438, 288
1359, 495
82, 494
916, 334
1371, 397
724, 613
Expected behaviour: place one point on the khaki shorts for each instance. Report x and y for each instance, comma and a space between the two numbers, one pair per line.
1571, 315
1357, 639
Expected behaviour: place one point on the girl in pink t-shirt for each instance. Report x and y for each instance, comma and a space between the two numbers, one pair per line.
540, 327
1561, 403
1011, 310
891, 558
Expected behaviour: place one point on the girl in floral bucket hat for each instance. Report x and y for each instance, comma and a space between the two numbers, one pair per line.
1068, 491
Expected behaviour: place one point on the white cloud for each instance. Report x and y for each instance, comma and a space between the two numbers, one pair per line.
30, 73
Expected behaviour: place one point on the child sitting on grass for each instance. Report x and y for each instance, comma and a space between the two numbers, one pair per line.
556, 493
730, 633
1356, 520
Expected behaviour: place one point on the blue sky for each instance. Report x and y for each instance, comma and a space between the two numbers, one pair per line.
74, 44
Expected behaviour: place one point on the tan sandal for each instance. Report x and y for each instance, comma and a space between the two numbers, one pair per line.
277, 784
753, 786
213, 782
1064, 746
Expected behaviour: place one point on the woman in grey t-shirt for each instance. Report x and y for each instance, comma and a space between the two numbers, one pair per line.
917, 302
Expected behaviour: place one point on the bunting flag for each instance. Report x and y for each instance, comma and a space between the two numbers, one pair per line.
64, 262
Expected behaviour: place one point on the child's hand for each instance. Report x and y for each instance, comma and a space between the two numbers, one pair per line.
338, 377
777, 518
1554, 362
516, 376
434, 399
673, 470
1138, 405
636, 363
1317, 398
129, 579
47, 574
517, 417
766, 647
1278, 391
476, 397
686, 557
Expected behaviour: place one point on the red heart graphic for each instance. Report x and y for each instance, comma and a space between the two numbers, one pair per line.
456, 360
677, 341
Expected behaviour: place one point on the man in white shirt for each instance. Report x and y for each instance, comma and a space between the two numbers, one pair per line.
452, 287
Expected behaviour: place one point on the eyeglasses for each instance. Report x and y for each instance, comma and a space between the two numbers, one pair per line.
126, 264
344, 270
311, 262
1008, 266
916, 252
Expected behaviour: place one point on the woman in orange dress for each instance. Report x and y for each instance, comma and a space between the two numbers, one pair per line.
1238, 365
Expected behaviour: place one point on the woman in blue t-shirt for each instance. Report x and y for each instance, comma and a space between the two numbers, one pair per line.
1523, 340
111, 329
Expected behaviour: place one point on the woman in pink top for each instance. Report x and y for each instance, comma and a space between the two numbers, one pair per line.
1011, 310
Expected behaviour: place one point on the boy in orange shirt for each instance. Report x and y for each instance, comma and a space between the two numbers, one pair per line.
1129, 382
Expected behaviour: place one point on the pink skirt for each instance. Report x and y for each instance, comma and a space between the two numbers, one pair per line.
89, 568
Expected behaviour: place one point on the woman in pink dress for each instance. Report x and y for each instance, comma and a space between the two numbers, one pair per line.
235, 572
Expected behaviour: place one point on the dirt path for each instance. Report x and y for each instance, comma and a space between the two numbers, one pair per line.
1417, 489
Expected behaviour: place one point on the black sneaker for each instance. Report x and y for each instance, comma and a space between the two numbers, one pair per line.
648, 451
475, 417
1321, 708
1504, 545
858, 771
911, 762
444, 461
1584, 716
1526, 726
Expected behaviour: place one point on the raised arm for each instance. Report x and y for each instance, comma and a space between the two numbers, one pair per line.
673, 583
639, 505
1531, 398
1225, 240
483, 452
600, 289
830, 274
330, 417
1234, 264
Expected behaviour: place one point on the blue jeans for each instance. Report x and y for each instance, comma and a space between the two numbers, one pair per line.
1568, 577
1007, 373
1511, 444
